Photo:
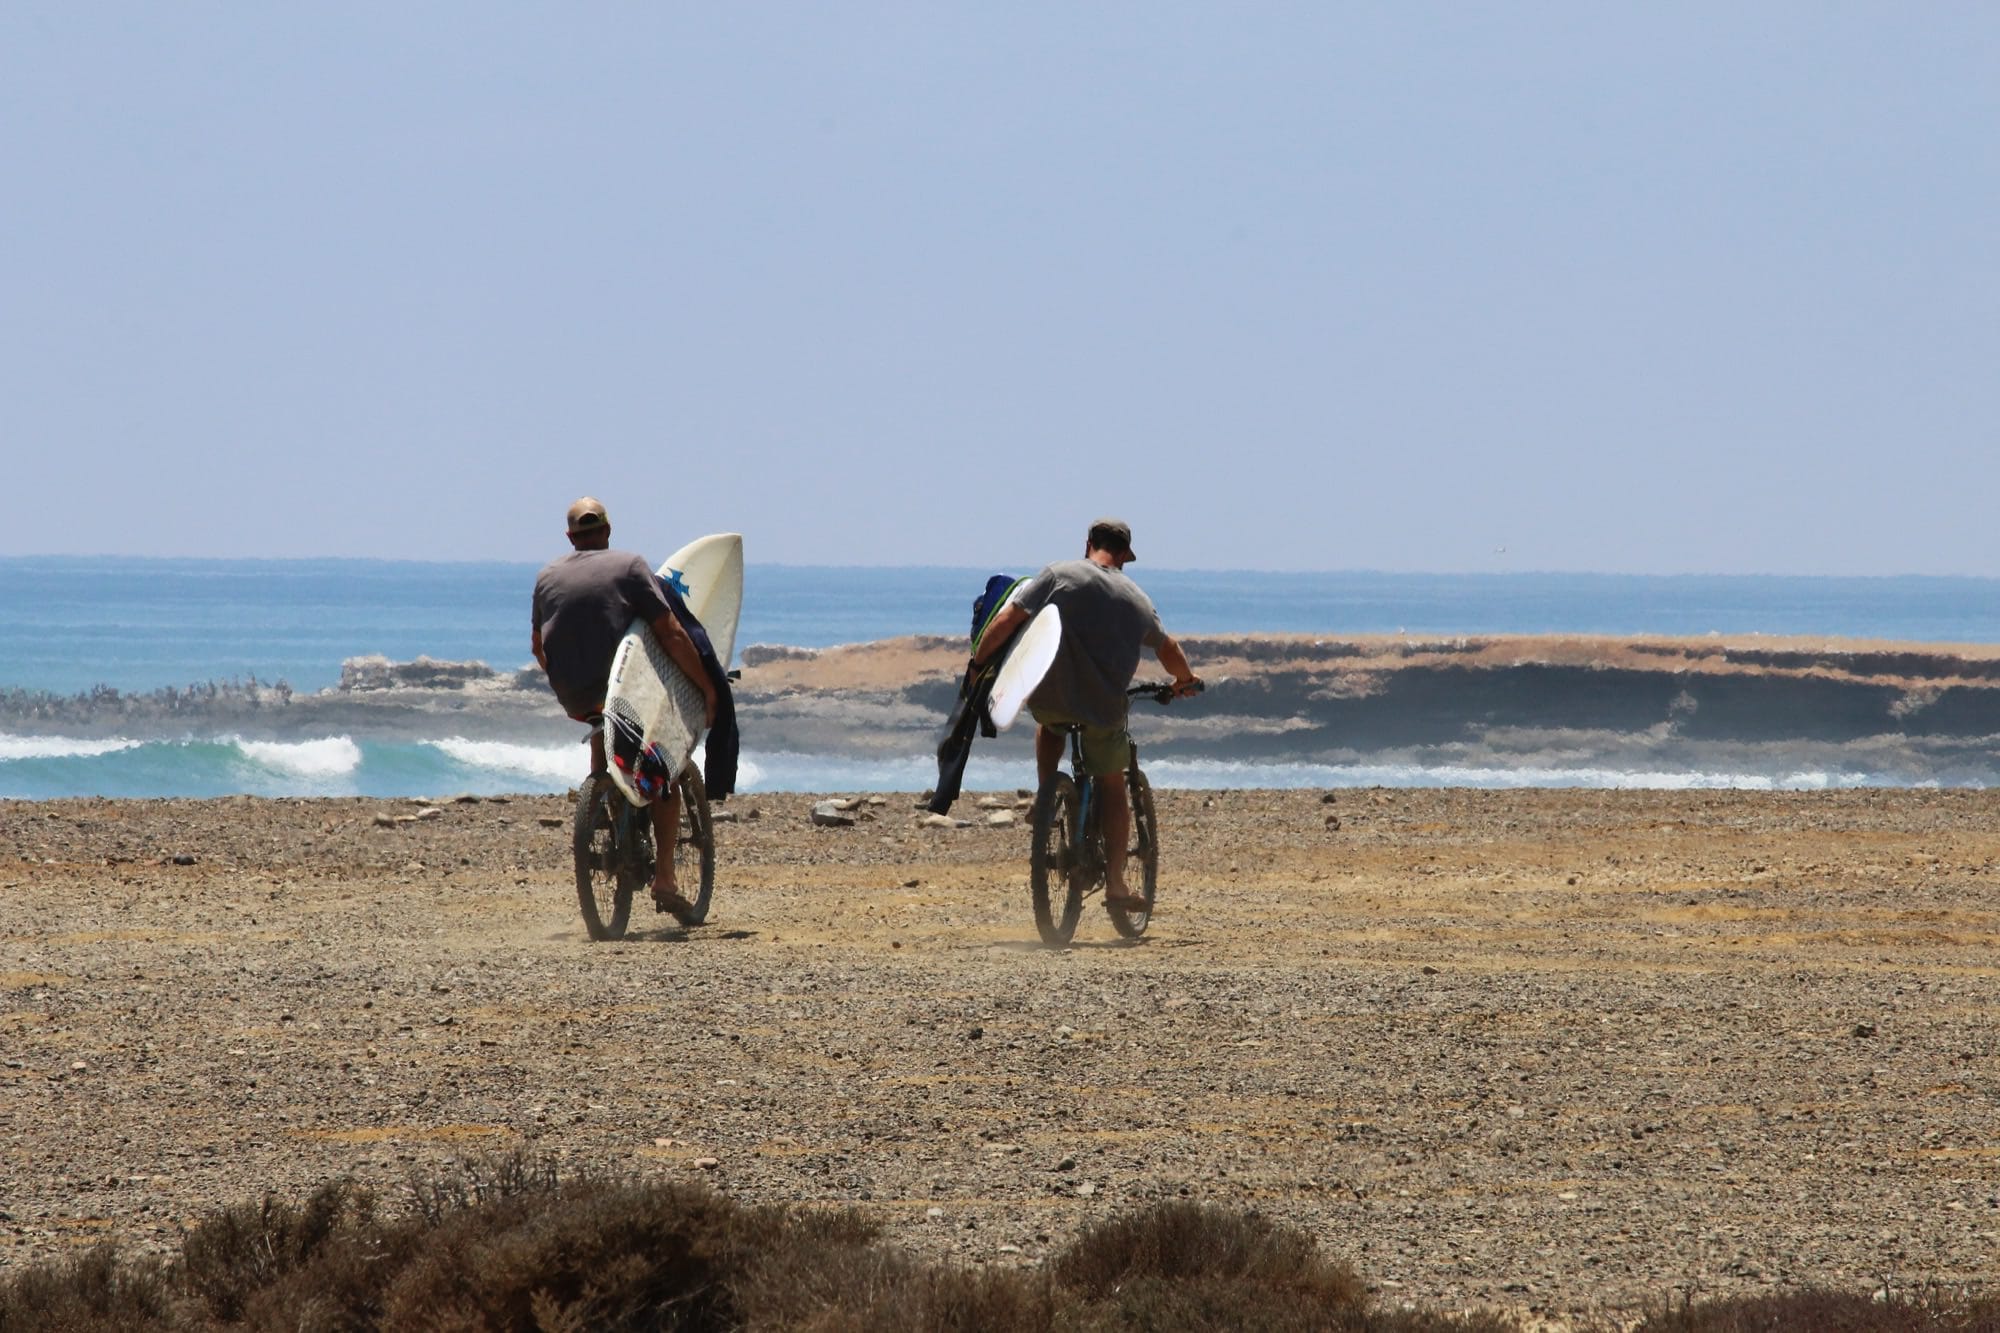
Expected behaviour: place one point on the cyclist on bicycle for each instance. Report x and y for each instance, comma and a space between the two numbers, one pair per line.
1106, 621
584, 602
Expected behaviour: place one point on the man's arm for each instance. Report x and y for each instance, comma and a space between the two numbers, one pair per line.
1174, 660
681, 652
535, 643
1001, 628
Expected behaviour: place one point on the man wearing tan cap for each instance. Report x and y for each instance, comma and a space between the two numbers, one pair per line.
1106, 621
584, 603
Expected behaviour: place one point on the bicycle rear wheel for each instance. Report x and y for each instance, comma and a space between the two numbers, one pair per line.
1143, 856
602, 838
1054, 876
695, 846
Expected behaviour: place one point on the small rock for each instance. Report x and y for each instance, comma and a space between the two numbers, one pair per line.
943, 821
1333, 823
430, 812
390, 821
832, 814
1066, 1164
1086, 1188
1001, 819
722, 816
707, 1163
1864, 1030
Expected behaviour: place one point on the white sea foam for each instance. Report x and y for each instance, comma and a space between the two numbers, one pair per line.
1203, 773
555, 766
329, 757
58, 747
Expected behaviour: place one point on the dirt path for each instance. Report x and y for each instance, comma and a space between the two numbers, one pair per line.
1553, 1050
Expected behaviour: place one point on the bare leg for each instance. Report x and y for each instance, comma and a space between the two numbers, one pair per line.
666, 814
597, 750
1048, 753
1117, 832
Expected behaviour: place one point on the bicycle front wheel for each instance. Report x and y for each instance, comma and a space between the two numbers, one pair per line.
695, 846
1054, 878
1143, 856
604, 879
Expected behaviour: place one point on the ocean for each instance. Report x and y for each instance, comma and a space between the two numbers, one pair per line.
70, 625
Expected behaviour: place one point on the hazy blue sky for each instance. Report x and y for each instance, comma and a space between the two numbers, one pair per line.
1660, 288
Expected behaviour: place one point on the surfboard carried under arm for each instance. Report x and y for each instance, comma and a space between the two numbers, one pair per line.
651, 708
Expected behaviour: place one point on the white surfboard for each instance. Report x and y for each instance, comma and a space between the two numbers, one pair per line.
648, 695
1027, 661
708, 574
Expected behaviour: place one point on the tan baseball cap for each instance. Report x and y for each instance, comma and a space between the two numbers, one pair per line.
1113, 535
587, 515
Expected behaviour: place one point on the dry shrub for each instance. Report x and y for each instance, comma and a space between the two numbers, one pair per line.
1924, 1310
1184, 1242
851, 1287
247, 1262
94, 1292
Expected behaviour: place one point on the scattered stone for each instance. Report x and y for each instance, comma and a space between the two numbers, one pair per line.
943, 821
430, 812
1001, 819
707, 1163
832, 814
546, 821
1333, 823
722, 816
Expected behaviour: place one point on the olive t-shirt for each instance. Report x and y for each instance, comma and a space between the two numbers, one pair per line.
584, 603
1106, 621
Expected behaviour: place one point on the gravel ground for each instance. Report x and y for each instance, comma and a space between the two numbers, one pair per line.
1548, 1051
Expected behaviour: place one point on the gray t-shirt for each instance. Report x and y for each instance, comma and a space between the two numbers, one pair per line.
1106, 620
584, 603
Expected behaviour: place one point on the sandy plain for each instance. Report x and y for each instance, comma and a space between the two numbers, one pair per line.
1547, 1050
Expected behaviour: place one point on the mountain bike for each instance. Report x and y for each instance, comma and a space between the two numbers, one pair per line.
1066, 859
613, 842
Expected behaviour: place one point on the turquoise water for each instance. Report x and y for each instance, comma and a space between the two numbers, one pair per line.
68, 625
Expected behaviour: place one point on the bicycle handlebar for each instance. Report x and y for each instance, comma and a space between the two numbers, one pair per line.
1160, 691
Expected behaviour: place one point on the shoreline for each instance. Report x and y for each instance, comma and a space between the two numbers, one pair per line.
1560, 1050
1762, 708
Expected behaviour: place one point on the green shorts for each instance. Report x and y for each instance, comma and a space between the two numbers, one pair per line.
1106, 750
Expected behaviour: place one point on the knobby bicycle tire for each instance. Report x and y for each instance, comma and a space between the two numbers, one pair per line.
1144, 854
1054, 881
697, 835
605, 877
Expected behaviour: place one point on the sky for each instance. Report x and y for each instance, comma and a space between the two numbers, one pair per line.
1689, 288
